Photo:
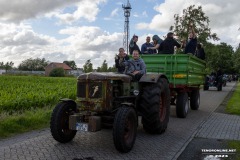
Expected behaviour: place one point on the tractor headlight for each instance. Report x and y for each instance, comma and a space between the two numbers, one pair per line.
135, 92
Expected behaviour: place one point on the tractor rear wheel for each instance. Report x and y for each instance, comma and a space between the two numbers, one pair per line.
59, 124
125, 128
155, 106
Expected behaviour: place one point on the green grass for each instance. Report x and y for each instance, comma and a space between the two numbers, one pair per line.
25, 101
26, 121
233, 107
21, 93
235, 145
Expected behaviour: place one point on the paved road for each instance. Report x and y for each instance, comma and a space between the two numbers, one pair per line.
99, 145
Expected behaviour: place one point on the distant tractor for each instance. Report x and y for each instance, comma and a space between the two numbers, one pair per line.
214, 81
115, 100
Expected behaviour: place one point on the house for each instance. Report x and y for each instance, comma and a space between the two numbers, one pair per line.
2, 71
54, 65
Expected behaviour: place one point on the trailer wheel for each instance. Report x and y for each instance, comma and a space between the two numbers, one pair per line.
219, 86
124, 129
182, 105
155, 106
59, 124
195, 99
205, 87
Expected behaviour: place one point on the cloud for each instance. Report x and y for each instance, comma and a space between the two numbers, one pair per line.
16, 11
81, 44
90, 42
85, 9
115, 12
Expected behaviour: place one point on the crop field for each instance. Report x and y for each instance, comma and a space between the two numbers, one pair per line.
21, 93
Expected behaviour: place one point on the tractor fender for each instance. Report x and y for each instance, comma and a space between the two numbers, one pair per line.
127, 104
68, 100
152, 77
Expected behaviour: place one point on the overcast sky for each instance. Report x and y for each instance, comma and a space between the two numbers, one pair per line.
78, 30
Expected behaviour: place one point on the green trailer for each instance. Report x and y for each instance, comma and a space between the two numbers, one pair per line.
185, 74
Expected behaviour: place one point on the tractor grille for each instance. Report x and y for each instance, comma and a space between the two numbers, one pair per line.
95, 90
81, 89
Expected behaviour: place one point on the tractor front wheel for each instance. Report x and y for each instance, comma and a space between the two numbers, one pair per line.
125, 128
59, 124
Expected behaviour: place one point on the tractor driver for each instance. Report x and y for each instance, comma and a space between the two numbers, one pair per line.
136, 66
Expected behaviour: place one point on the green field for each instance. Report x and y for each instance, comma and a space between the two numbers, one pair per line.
26, 102
20, 93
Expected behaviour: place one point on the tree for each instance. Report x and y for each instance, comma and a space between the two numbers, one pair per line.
220, 55
71, 64
57, 72
197, 18
88, 66
112, 69
236, 60
33, 64
7, 66
104, 67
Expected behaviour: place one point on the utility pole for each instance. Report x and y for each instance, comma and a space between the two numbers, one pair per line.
127, 9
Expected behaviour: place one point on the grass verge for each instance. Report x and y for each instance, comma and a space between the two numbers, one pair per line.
26, 121
233, 107
235, 145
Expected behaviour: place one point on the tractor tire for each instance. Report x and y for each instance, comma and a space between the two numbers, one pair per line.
59, 124
155, 106
195, 99
125, 129
182, 105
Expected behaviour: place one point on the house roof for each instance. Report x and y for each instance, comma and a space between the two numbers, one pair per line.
60, 65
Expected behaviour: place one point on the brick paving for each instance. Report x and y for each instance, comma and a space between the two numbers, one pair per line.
221, 126
99, 145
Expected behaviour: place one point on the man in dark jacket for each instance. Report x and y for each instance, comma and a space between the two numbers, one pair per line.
144, 48
192, 42
133, 45
167, 46
120, 59
200, 53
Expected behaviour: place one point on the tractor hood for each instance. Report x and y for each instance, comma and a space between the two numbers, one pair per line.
104, 76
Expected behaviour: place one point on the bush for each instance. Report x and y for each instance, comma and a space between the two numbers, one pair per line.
57, 72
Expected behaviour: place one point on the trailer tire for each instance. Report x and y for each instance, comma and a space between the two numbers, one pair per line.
155, 106
205, 87
195, 99
219, 86
59, 123
124, 129
182, 106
